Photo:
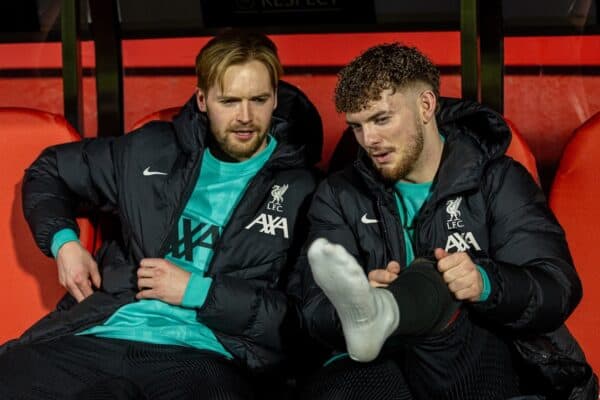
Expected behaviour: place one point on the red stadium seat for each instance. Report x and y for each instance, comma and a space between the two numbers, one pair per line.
519, 150
166, 114
574, 199
30, 285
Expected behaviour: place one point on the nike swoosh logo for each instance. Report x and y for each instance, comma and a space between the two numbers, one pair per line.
147, 172
366, 220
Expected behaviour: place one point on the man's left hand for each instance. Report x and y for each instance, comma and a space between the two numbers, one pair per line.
162, 280
382, 277
461, 274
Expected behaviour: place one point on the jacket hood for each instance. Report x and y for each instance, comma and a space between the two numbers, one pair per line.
474, 134
485, 126
191, 127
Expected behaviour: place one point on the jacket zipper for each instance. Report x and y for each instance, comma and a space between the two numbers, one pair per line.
227, 228
384, 228
417, 236
182, 203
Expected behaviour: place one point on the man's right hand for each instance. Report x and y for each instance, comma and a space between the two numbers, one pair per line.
77, 270
382, 277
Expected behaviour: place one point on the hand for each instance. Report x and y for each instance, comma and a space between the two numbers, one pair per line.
461, 274
77, 270
383, 277
162, 280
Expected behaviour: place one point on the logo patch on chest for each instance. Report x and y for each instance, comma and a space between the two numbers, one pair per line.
270, 224
454, 222
458, 241
276, 203
202, 235
461, 241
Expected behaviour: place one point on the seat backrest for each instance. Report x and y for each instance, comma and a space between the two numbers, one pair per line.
574, 199
166, 114
520, 151
30, 285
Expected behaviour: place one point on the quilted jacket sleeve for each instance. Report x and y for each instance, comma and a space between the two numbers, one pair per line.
534, 284
247, 309
64, 180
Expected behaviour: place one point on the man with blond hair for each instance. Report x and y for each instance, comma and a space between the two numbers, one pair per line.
188, 303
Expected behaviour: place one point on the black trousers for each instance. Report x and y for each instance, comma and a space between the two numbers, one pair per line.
87, 367
463, 362
433, 354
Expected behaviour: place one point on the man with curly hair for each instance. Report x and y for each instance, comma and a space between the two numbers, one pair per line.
433, 258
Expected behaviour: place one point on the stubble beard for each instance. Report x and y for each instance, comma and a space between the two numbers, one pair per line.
242, 150
237, 149
407, 159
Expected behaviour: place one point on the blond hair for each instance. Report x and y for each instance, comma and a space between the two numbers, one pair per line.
235, 47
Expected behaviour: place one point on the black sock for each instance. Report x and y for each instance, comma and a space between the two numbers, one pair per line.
426, 304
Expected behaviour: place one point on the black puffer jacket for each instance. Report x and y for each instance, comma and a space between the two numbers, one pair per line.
482, 202
245, 306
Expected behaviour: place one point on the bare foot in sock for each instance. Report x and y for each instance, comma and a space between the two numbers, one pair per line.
368, 315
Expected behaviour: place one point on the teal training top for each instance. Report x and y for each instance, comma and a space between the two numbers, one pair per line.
410, 197
219, 187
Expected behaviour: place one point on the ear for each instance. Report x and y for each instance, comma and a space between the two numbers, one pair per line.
201, 99
427, 105
275, 102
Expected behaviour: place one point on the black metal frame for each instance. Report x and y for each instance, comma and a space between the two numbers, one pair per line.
71, 59
469, 49
106, 30
492, 54
482, 54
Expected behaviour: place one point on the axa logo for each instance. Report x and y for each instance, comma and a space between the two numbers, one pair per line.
454, 222
270, 224
461, 241
202, 235
276, 203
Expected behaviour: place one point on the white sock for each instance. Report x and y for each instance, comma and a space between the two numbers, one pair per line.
368, 315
